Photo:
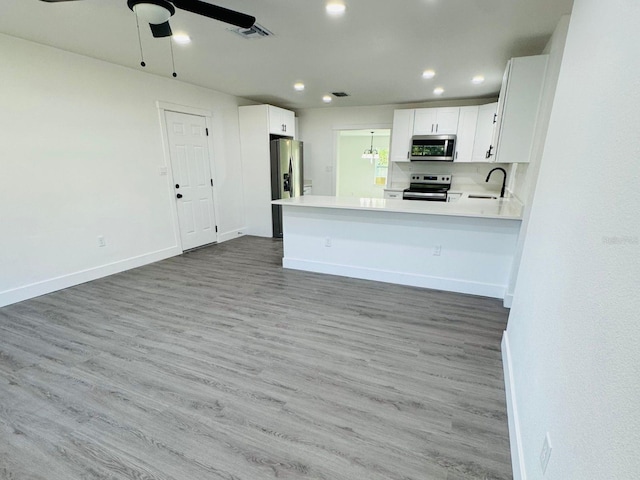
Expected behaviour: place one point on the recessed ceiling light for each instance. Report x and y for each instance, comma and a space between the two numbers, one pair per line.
335, 8
181, 38
299, 86
438, 91
326, 99
477, 80
428, 74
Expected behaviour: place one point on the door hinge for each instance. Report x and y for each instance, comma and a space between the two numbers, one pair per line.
216, 228
212, 182
207, 131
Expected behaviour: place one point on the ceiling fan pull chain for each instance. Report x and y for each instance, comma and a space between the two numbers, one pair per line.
173, 60
142, 63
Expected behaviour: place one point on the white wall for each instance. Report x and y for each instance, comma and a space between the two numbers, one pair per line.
80, 152
524, 175
318, 129
574, 329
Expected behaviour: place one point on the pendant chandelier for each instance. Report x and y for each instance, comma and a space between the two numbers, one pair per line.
371, 153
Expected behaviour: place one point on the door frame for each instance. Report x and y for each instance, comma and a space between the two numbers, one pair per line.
336, 144
166, 170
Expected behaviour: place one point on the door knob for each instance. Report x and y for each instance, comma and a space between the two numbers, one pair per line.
177, 186
179, 195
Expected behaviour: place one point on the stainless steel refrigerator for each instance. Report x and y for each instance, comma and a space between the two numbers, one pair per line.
287, 178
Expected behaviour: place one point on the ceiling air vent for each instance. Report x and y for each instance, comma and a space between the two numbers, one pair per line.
256, 31
339, 94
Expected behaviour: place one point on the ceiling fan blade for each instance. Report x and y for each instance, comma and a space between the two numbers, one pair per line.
160, 30
216, 12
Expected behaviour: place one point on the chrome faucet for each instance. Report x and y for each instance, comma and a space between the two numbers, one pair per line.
504, 179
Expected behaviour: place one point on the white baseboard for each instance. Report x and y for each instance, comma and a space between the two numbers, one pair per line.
508, 300
414, 280
230, 235
515, 439
65, 281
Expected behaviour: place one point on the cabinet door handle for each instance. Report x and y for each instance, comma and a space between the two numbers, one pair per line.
489, 154
456, 155
432, 128
436, 128
495, 117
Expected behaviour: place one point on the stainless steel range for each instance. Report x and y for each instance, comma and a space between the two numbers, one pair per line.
427, 186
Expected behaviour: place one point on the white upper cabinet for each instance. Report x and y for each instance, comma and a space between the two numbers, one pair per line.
483, 147
467, 124
433, 121
281, 122
401, 135
518, 108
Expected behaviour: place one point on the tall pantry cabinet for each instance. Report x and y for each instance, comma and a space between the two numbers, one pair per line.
258, 125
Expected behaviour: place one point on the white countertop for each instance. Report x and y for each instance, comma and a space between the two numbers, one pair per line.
502, 208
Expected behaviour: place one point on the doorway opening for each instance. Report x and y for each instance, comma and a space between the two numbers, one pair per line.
362, 164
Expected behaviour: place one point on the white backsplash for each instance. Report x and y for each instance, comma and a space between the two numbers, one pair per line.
467, 177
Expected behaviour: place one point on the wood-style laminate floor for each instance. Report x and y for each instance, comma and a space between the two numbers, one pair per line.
219, 364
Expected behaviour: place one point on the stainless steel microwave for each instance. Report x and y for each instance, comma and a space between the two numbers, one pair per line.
440, 148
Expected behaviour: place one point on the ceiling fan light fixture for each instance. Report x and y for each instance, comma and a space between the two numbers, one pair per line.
335, 8
154, 12
181, 38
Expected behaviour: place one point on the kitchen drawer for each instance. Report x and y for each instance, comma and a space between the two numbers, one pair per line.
397, 194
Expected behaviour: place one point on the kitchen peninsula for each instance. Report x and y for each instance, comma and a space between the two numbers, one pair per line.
465, 246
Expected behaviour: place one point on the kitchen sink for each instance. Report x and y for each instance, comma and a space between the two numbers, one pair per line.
486, 197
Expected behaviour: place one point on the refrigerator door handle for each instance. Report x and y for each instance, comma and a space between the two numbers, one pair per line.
291, 179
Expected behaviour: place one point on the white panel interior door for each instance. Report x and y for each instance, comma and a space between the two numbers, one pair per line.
191, 168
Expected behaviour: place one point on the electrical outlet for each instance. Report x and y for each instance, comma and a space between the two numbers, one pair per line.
327, 242
437, 250
545, 453
101, 241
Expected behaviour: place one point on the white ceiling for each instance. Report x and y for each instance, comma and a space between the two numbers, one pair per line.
376, 52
